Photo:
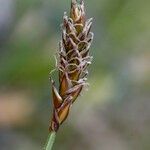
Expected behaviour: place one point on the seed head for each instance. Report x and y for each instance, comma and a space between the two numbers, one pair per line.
73, 60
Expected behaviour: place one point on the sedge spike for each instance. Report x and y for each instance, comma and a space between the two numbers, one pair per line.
72, 62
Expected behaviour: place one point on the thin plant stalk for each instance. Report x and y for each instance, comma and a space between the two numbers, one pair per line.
50, 141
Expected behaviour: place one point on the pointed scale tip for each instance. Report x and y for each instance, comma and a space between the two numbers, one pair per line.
77, 1
81, 2
73, 1
57, 100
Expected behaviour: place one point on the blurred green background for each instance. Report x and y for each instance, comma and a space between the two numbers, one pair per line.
115, 112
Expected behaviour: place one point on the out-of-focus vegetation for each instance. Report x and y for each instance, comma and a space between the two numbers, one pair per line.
115, 112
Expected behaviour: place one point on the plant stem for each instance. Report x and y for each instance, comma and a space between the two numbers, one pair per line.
50, 141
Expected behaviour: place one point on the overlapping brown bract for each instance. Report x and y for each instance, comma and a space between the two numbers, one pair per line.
73, 60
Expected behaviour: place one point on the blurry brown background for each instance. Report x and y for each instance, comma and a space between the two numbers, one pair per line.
115, 112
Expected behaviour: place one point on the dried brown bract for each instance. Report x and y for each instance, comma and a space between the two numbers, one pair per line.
73, 60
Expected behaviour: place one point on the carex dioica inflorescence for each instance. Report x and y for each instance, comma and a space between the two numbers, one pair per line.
73, 60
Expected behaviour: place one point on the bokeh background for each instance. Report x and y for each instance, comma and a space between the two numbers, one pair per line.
115, 112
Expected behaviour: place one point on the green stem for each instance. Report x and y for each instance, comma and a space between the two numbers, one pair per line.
50, 141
